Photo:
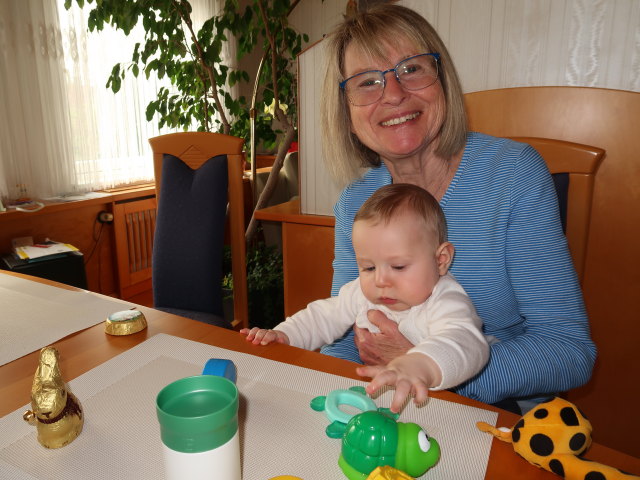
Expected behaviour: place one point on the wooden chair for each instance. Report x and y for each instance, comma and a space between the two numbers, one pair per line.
609, 119
580, 163
198, 151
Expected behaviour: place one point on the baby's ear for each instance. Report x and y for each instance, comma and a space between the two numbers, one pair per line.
444, 257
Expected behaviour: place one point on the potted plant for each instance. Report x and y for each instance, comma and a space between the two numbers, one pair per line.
200, 93
265, 285
200, 80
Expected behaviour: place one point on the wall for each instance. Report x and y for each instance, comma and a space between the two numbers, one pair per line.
516, 43
317, 17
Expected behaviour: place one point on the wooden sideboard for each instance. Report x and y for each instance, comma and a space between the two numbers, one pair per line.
307, 253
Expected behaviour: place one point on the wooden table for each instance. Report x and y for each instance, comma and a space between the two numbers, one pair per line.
89, 348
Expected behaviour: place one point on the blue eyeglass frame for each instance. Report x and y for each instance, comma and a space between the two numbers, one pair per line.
394, 70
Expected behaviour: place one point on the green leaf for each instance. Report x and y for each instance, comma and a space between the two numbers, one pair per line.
170, 51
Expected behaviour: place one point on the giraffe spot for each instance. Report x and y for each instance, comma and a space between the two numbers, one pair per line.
541, 413
556, 467
541, 445
595, 476
515, 435
569, 417
577, 441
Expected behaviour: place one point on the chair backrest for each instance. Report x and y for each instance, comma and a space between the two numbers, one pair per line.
609, 119
195, 149
580, 163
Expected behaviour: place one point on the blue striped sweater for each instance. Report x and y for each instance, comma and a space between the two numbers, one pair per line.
511, 257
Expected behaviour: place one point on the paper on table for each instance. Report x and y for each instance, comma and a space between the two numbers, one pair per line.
279, 432
32, 252
34, 315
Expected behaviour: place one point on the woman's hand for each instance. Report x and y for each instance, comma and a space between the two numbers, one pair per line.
260, 336
380, 348
411, 374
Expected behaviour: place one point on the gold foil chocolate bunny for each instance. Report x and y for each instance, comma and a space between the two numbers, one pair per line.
55, 411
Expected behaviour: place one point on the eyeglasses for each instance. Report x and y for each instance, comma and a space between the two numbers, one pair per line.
413, 73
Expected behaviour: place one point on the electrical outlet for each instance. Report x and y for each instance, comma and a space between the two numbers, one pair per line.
105, 217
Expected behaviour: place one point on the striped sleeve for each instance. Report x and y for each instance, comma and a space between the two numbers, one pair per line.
549, 350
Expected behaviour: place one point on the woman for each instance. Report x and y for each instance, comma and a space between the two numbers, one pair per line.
394, 104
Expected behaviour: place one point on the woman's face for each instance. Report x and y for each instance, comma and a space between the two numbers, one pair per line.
403, 123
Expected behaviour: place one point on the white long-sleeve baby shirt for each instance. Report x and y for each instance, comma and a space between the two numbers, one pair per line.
445, 327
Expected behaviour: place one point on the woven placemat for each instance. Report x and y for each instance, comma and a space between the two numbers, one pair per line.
33, 315
280, 433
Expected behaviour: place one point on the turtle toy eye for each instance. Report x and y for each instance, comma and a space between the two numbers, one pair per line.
423, 441
416, 452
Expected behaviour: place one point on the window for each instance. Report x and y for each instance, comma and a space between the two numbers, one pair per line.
67, 132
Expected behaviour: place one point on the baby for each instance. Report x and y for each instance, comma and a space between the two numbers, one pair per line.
400, 241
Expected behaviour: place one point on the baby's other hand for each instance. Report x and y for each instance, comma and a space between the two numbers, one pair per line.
410, 374
261, 336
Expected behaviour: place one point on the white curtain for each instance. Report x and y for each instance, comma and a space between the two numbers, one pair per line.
111, 148
65, 131
35, 139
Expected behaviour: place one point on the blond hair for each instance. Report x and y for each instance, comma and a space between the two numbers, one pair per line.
392, 199
370, 32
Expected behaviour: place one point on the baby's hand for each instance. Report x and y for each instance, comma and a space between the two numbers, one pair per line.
412, 373
260, 336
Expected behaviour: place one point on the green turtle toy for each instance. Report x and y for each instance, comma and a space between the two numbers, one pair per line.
374, 437
355, 397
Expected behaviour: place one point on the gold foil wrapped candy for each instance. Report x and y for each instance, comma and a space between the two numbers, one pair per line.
55, 411
388, 473
125, 322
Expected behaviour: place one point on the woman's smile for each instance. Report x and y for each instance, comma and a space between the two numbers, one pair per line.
400, 120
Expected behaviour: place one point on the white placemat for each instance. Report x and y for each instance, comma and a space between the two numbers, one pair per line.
33, 315
280, 433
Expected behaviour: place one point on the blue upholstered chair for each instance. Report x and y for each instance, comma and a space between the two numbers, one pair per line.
197, 175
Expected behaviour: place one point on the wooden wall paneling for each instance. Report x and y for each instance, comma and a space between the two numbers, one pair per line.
307, 256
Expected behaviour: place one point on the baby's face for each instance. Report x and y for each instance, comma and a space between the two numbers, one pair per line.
397, 261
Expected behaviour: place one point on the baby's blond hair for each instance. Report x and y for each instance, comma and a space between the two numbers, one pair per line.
404, 197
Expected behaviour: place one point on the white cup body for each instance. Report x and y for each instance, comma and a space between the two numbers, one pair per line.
220, 463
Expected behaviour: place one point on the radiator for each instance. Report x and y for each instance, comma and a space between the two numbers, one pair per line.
134, 223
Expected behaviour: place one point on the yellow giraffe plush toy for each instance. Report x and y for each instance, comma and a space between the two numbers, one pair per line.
551, 436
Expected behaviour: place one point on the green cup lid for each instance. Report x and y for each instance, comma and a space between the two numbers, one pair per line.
198, 413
